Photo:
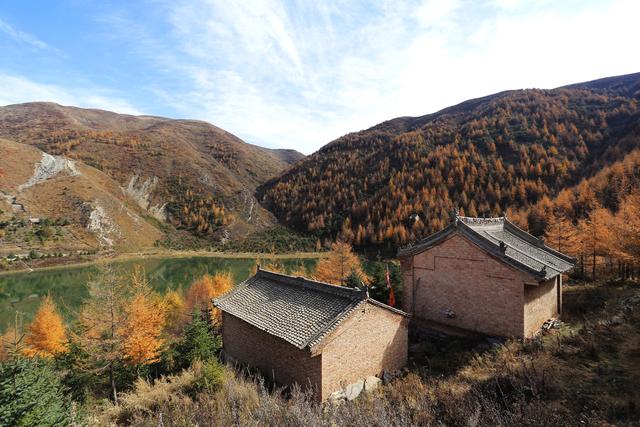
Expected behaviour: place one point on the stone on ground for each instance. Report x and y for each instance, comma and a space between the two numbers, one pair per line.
353, 390
371, 383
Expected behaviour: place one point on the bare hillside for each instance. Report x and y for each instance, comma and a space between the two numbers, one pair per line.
55, 204
191, 174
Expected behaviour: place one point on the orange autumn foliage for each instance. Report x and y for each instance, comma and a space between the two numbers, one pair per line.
142, 330
201, 294
339, 264
8, 343
175, 316
47, 333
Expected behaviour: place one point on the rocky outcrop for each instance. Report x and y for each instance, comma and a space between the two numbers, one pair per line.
352, 391
48, 167
102, 226
140, 191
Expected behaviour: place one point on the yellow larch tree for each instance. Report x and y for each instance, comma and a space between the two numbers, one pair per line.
202, 292
595, 236
175, 316
144, 321
275, 266
47, 333
627, 224
339, 264
561, 234
9, 343
100, 323
142, 329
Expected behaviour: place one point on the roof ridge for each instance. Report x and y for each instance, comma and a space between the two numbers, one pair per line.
387, 307
537, 241
418, 244
528, 255
246, 282
471, 220
494, 249
322, 333
314, 285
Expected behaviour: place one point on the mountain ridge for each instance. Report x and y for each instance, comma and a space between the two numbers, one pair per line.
486, 155
190, 174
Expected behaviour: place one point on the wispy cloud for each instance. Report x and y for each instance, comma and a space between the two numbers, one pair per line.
15, 89
302, 73
26, 38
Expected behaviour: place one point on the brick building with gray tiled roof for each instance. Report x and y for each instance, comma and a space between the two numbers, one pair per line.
317, 335
484, 275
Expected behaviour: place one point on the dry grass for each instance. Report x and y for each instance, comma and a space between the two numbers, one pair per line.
585, 373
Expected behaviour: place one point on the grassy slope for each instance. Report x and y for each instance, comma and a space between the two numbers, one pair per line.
584, 373
69, 197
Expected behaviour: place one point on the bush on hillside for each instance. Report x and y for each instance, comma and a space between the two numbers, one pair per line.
199, 342
277, 239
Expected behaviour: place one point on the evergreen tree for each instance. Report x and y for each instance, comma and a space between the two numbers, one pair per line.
200, 341
31, 394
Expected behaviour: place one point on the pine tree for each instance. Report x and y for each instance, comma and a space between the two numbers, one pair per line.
101, 322
199, 341
31, 394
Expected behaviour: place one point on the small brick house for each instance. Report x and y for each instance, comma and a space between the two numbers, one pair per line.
317, 335
484, 275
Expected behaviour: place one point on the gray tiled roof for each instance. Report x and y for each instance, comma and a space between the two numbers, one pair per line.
519, 248
300, 311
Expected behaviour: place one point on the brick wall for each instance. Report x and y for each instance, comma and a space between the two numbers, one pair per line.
370, 341
275, 358
406, 266
541, 304
456, 277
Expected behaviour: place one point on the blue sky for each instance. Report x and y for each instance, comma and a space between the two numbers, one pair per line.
298, 74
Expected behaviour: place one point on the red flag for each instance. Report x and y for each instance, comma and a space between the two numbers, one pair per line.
392, 298
388, 277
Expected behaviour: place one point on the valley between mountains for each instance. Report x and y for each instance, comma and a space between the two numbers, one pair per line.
88, 181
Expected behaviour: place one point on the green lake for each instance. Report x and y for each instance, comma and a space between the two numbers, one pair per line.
21, 293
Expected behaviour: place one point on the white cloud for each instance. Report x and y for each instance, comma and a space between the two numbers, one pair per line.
300, 73
17, 89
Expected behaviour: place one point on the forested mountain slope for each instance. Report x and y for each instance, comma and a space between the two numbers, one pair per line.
401, 179
189, 173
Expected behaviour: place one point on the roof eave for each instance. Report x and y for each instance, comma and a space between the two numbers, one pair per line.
427, 242
315, 342
538, 242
